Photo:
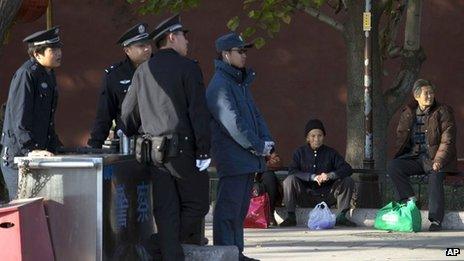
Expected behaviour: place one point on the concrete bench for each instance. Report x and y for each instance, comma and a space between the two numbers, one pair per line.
454, 180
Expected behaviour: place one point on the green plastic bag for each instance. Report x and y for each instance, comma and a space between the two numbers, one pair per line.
399, 217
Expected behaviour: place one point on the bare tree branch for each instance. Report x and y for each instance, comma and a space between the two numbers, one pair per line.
389, 32
324, 18
413, 25
345, 6
413, 57
401, 88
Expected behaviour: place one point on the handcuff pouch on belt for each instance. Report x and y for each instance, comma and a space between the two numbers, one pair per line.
159, 146
155, 150
143, 150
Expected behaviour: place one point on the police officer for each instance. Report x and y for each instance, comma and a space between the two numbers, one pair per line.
167, 100
30, 112
117, 79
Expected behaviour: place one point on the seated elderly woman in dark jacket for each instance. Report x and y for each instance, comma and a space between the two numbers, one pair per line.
318, 173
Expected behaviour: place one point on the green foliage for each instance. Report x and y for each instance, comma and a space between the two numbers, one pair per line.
319, 3
157, 6
259, 42
249, 31
267, 15
233, 23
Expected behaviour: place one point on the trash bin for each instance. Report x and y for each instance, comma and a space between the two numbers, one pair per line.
99, 206
128, 214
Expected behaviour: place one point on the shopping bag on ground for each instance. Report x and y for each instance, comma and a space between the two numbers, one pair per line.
321, 217
258, 212
399, 217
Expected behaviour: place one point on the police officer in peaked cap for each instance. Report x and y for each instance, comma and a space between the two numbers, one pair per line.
136, 44
167, 101
29, 126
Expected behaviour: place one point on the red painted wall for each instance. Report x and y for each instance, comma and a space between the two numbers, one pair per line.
301, 73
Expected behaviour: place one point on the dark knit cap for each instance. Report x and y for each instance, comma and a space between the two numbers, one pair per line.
314, 124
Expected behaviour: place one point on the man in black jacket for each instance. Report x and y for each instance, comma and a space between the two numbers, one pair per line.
166, 101
137, 47
30, 111
318, 173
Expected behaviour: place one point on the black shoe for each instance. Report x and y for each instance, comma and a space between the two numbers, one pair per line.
203, 242
435, 226
288, 222
245, 258
343, 221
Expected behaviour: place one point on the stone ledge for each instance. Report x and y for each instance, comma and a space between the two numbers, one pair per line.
210, 253
364, 217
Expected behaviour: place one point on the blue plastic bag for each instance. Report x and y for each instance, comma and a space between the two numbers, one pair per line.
321, 217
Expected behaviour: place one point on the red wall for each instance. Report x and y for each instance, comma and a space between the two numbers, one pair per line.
300, 74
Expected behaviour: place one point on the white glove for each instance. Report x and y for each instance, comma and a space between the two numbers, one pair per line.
120, 133
268, 145
203, 164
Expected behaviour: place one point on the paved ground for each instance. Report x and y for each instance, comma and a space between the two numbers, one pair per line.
363, 243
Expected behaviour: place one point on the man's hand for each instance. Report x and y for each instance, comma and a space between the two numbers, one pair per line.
203, 164
273, 161
436, 166
40, 153
321, 178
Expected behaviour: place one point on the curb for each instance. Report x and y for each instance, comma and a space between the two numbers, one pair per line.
364, 217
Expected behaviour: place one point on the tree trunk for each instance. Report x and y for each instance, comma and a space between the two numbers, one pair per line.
8, 10
354, 40
381, 119
384, 104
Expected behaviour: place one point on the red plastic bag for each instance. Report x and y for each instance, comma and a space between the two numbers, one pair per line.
258, 212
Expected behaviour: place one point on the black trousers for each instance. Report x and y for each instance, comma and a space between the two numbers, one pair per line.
399, 171
181, 200
299, 192
271, 186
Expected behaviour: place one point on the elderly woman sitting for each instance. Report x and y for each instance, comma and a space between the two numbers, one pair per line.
317, 173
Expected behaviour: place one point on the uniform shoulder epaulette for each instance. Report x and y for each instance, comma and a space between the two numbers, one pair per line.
32, 66
112, 67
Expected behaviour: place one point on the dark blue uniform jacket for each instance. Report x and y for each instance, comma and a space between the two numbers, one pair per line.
30, 112
115, 84
238, 129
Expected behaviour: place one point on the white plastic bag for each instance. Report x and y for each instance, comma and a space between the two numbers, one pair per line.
321, 217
